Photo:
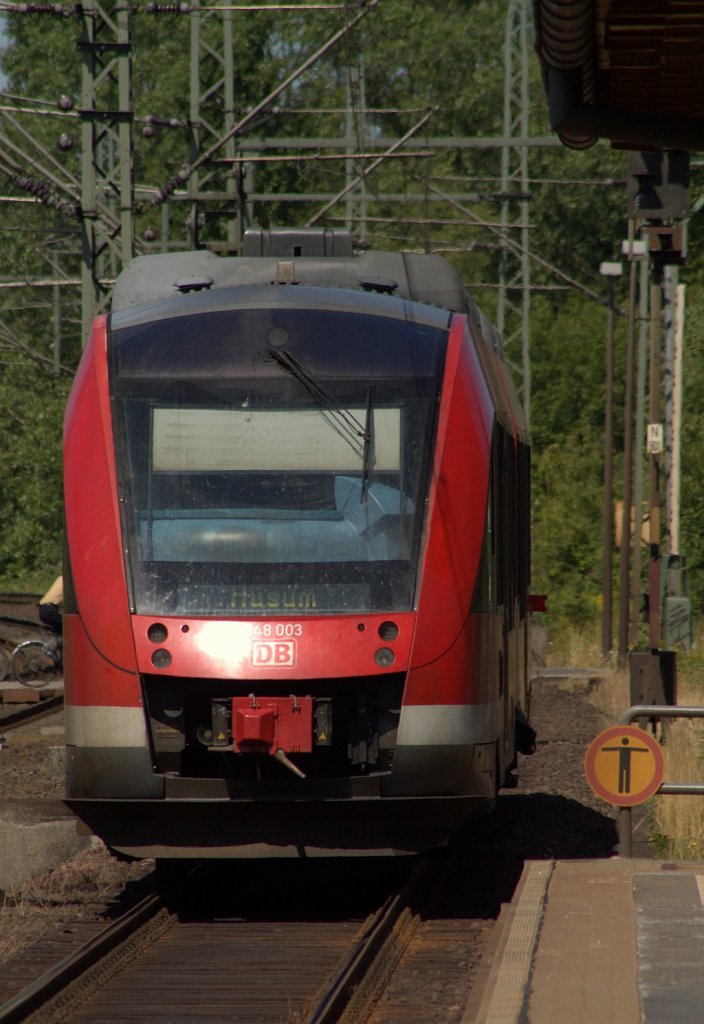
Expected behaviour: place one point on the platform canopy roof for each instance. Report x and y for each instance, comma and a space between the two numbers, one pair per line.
631, 71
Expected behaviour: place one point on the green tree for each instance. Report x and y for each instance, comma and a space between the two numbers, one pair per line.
417, 56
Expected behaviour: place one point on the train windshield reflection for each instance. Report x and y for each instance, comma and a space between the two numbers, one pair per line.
248, 496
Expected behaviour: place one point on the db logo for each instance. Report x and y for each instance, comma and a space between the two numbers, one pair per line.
274, 653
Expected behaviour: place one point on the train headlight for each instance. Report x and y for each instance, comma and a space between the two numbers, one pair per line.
161, 658
157, 632
384, 657
388, 631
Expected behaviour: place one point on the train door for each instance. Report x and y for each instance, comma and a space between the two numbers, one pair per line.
509, 559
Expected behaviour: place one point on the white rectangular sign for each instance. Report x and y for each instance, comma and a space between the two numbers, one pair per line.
307, 440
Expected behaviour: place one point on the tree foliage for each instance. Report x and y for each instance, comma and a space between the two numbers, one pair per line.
404, 60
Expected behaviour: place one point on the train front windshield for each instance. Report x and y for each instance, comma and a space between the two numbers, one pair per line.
274, 461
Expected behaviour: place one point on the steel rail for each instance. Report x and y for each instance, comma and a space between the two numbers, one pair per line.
364, 953
45, 706
58, 977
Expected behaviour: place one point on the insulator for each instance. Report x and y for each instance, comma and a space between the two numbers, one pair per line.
39, 8
43, 194
168, 8
167, 122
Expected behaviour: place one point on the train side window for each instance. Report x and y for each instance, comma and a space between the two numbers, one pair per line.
507, 524
499, 488
484, 597
524, 546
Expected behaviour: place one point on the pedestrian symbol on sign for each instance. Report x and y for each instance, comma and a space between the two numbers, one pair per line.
624, 765
625, 752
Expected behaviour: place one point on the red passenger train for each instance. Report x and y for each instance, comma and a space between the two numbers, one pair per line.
297, 555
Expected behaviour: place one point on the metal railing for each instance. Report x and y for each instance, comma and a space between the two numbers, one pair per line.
667, 788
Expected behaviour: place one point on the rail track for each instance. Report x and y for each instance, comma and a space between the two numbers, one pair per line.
276, 938
175, 957
23, 713
19, 611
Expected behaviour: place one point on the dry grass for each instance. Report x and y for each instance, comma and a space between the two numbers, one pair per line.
582, 649
77, 890
677, 823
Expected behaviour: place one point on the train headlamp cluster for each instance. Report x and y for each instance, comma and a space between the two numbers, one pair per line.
385, 657
158, 633
161, 658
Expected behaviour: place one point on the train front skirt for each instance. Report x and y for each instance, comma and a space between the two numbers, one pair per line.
183, 828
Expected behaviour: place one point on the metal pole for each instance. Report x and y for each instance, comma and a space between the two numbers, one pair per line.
654, 466
636, 584
106, 140
88, 180
625, 833
524, 207
627, 457
56, 289
674, 519
513, 300
669, 292
607, 559
350, 147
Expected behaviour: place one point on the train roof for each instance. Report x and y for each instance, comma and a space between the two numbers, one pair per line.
269, 296
310, 257
293, 257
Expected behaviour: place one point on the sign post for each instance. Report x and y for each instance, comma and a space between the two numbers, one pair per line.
624, 766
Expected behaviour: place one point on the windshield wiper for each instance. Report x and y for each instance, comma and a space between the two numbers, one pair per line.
340, 419
367, 453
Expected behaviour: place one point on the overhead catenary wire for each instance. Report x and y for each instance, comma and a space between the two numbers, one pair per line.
5, 109
176, 7
368, 170
12, 341
187, 172
546, 264
44, 152
40, 187
265, 106
605, 182
317, 157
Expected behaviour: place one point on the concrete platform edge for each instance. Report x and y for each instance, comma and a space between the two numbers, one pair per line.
500, 991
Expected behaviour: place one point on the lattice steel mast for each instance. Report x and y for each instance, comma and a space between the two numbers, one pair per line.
513, 312
106, 136
214, 189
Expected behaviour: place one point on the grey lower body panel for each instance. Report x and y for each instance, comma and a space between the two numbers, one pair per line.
417, 806
112, 773
127, 773
374, 826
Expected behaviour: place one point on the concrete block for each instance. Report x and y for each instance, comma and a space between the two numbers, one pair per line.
35, 836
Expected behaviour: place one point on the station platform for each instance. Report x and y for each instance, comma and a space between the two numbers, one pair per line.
595, 942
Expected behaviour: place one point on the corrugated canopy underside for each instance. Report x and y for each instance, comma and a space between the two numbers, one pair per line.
631, 71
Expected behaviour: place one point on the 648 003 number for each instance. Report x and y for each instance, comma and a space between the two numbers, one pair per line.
279, 630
